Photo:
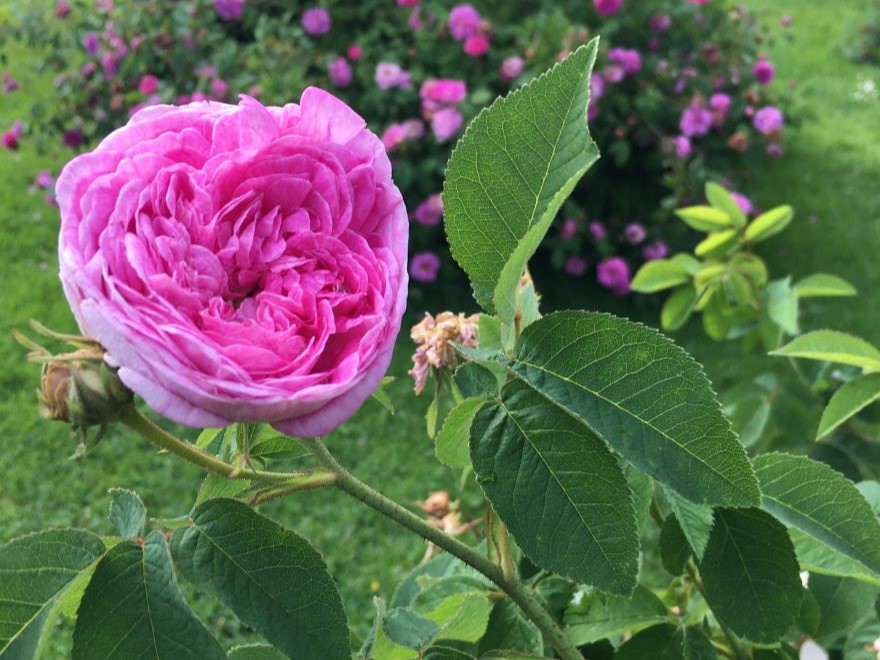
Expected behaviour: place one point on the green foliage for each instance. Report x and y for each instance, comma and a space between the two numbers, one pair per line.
36, 569
537, 137
452, 441
558, 488
833, 346
822, 503
668, 642
644, 396
271, 578
598, 616
509, 630
127, 513
750, 575
133, 608
848, 401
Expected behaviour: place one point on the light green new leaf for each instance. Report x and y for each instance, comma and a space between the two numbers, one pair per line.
832, 346
724, 201
769, 224
599, 616
511, 171
206, 437
462, 617
453, 440
823, 285
704, 218
696, 521
717, 244
842, 604
644, 396
558, 489
817, 557
272, 579
133, 608
849, 400
36, 569
678, 307
815, 499
127, 513
751, 576
658, 275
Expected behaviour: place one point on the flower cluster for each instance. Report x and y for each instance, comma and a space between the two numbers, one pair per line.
434, 338
681, 93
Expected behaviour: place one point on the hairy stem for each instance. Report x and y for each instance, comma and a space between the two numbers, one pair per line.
511, 585
160, 438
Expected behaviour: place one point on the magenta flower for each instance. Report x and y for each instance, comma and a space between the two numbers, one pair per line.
316, 21
340, 72
219, 87
720, 102
628, 59
598, 231
682, 147
476, 45
569, 229
92, 43
430, 212
414, 129
695, 121
148, 84
613, 274
44, 179
607, 7
62, 9
229, 10
613, 73
511, 68
408, 3
660, 23
597, 87
424, 267
387, 75
252, 269
445, 123
10, 84
655, 250
354, 52
576, 266
464, 21
768, 121
744, 203
635, 233
12, 137
443, 91
393, 137
764, 72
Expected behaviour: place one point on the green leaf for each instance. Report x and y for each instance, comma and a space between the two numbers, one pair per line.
462, 617
704, 218
849, 400
674, 548
270, 577
215, 486
696, 522
861, 643
769, 224
511, 171
558, 488
717, 321
870, 490
643, 395
381, 394
379, 645
446, 653
127, 513
817, 557
453, 440
718, 244
678, 307
36, 569
823, 285
668, 642
809, 614
782, 305
822, 503
658, 275
842, 603
477, 380
832, 346
751, 575
599, 616
509, 630
406, 628
206, 437
490, 332
722, 200
255, 652
133, 608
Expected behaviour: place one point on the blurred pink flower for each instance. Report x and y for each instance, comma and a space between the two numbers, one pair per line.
229, 10
682, 146
607, 7
316, 21
655, 250
635, 233
576, 266
569, 229
424, 267
476, 45
62, 9
511, 68
744, 203
613, 274
355, 52
430, 212
387, 75
393, 137
464, 20
768, 121
598, 231
340, 72
413, 129
12, 137
764, 71
695, 121
148, 84
445, 123
44, 179
628, 59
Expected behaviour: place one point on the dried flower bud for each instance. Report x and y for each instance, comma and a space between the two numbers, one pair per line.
435, 337
436, 504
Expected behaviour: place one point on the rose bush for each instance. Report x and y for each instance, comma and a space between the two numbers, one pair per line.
239, 263
677, 90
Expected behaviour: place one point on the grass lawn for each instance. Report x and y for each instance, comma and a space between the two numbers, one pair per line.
831, 174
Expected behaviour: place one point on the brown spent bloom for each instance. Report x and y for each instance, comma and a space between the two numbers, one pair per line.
434, 337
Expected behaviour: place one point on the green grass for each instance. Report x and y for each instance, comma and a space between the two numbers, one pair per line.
831, 171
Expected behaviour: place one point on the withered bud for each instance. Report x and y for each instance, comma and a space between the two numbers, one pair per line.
436, 504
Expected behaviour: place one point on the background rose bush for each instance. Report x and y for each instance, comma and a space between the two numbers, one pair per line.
678, 96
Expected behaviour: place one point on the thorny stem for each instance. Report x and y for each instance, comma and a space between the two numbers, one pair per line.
511, 585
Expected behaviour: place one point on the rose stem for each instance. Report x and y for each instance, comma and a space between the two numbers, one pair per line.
159, 437
511, 584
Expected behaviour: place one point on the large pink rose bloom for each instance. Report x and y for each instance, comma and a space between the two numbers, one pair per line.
239, 263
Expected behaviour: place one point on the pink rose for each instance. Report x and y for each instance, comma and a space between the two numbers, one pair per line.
148, 84
239, 263
607, 7
476, 45
445, 123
